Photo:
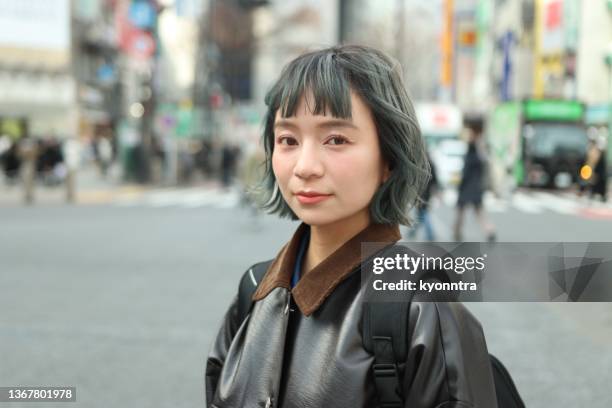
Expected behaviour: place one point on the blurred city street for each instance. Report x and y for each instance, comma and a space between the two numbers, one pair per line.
131, 129
122, 300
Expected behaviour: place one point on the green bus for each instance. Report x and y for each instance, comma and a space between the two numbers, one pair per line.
538, 142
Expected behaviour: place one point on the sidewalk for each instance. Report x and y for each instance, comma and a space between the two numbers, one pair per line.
91, 189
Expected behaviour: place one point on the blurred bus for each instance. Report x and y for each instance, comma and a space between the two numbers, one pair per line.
538, 142
597, 120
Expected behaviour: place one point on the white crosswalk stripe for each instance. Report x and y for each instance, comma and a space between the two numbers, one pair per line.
187, 198
525, 201
557, 203
532, 202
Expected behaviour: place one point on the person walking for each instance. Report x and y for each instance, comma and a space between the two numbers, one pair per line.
471, 187
423, 217
600, 169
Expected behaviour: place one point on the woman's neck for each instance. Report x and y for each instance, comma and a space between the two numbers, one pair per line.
326, 239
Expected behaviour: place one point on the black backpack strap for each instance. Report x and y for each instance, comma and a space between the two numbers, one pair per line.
384, 337
387, 340
248, 285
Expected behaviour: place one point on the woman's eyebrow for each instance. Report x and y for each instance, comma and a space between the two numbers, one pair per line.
334, 123
284, 123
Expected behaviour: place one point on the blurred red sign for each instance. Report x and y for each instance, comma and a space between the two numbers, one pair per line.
135, 42
440, 118
140, 44
554, 13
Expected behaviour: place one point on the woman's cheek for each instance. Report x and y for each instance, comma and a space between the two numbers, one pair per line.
282, 171
355, 169
277, 166
345, 165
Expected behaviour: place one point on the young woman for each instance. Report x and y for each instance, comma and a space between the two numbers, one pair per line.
345, 157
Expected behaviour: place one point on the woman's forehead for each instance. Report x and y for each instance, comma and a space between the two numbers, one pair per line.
307, 104
360, 118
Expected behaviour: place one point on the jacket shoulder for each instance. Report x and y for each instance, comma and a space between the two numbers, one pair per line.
254, 274
248, 285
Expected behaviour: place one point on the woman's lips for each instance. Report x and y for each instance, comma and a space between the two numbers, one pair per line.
312, 199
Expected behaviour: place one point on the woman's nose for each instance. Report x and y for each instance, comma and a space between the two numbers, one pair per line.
309, 163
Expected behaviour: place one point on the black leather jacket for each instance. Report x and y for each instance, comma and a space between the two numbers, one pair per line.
303, 347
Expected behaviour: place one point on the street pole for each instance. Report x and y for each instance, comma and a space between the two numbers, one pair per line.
446, 74
342, 20
400, 32
29, 154
72, 155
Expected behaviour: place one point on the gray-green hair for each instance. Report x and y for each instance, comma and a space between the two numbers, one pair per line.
329, 75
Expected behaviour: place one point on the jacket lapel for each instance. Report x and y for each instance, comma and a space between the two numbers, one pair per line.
316, 285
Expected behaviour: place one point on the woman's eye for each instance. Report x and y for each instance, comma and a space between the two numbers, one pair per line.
337, 140
286, 140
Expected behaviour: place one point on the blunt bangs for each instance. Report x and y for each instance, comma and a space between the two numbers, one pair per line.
320, 79
326, 79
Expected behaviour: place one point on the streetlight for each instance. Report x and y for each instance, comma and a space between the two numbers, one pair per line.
137, 110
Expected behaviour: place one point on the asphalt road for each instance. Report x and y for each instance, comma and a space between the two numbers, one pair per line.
122, 301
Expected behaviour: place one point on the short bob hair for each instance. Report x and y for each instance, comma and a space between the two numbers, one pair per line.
329, 75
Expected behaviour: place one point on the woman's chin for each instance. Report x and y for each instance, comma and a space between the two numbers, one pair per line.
315, 220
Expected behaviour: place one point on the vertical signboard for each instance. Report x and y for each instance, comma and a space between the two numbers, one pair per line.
446, 74
551, 35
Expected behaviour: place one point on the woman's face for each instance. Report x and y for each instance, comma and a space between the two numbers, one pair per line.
328, 168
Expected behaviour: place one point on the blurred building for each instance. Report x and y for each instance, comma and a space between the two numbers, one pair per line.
95, 61
409, 30
243, 46
38, 94
552, 48
283, 30
134, 63
473, 54
224, 64
594, 58
512, 74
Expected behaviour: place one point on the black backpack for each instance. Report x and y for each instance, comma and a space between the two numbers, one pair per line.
388, 344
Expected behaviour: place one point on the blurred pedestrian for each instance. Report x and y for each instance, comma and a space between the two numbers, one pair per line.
229, 161
251, 175
423, 218
599, 185
11, 162
205, 159
472, 185
105, 154
71, 151
50, 162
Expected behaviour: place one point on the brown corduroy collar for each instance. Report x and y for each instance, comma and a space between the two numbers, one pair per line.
316, 285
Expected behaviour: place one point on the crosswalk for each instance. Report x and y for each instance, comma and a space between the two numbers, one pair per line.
188, 198
530, 202
539, 202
